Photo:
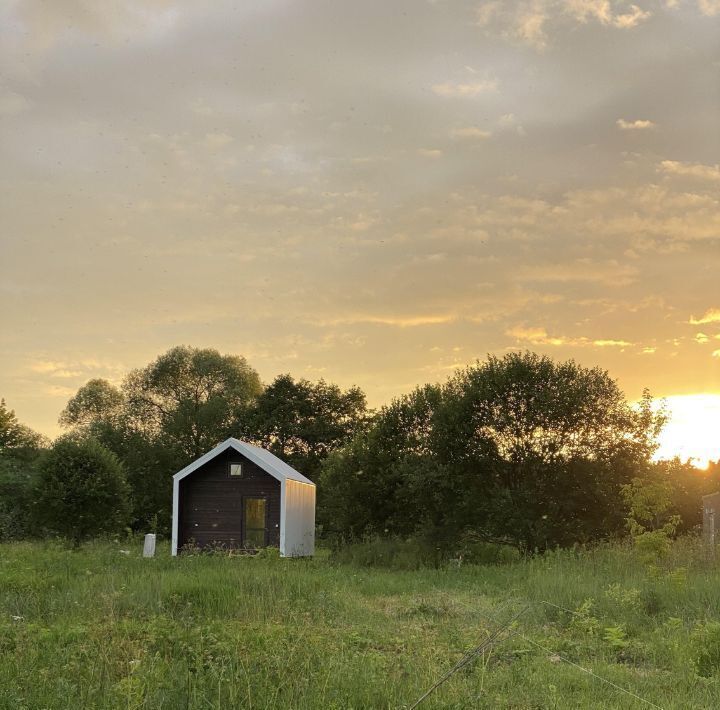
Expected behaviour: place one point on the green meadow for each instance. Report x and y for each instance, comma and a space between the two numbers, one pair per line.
104, 628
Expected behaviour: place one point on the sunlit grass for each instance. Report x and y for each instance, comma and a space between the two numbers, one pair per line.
102, 629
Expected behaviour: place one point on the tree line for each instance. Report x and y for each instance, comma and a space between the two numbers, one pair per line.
520, 449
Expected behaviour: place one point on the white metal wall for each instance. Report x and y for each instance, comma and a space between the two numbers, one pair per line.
297, 519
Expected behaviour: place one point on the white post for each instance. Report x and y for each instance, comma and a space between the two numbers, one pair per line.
149, 546
711, 530
175, 517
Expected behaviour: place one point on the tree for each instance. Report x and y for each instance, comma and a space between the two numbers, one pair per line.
649, 519
302, 422
688, 485
16, 484
14, 436
519, 448
552, 442
96, 402
191, 397
81, 490
164, 416
100, 411
20, 447
365, 487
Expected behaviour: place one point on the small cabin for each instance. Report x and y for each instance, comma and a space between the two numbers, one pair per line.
240, 496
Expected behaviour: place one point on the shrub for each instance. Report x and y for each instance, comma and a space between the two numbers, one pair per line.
652, 545
706, 649
81, 490
649, 521
16, 484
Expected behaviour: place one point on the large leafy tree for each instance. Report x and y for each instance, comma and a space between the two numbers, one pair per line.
20, 447
552, 443
16, 438
191, 397
97, 402
520, 448
163, 416
81, 490
365, 487
302, 421
101, 411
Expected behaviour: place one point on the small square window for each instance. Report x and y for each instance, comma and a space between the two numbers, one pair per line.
236, 469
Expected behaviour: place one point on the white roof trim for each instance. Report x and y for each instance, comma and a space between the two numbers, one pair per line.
268, 462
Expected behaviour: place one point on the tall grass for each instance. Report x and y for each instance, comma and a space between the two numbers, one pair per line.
103, 629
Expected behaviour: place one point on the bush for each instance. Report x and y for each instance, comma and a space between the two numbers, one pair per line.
16, 484
81, 490
706, 649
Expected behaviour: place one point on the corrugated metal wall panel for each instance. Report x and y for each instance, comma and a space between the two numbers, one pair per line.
299, 537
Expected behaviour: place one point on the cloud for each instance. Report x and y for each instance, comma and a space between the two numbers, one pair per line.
637, 125
430, 152
695, 170
530, 25
155, 18
539, 336
12, 103
75, 369
397, 321
472, 132
59, 391
486, 12
520, 21
119, 194
632, 18
612, 273
363, 223
46, 366
471, 90
585, 10
536, 336
603, 12
709, 7
509, 121
611, 343
531, 21
216, 140
712, 315
716, 353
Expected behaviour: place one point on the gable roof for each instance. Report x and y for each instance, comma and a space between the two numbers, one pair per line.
268, 462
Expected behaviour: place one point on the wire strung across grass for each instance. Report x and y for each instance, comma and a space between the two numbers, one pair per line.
496, 634
470, 655
589, 672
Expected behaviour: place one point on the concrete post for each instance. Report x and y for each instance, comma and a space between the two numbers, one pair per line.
711, 528
711, 508
149, 546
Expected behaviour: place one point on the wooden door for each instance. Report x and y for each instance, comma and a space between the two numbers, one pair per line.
254, 527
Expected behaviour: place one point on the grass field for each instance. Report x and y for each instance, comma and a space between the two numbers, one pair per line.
102, 629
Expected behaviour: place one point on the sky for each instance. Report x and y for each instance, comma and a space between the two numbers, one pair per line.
372, 192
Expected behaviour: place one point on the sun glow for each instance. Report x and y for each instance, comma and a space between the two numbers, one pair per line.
693, 431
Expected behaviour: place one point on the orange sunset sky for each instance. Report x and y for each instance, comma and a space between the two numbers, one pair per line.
371, 192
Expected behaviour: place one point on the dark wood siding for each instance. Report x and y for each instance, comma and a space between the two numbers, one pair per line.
211, 502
